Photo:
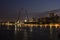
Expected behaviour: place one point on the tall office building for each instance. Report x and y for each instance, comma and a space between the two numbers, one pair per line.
51, 14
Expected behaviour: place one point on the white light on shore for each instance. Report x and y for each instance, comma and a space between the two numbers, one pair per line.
25, 20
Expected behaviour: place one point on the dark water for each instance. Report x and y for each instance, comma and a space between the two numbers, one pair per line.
29, 33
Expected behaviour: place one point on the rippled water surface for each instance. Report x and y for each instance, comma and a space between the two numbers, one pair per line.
29, 33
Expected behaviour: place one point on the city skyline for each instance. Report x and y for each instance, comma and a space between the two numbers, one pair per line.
8, 9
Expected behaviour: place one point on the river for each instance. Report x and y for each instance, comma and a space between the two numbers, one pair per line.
29, 33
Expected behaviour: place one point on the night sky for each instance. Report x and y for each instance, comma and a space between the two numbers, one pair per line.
9, 8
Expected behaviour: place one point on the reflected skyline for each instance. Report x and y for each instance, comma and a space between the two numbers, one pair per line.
25, 33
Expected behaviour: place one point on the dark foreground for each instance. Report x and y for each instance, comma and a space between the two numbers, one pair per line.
29, 33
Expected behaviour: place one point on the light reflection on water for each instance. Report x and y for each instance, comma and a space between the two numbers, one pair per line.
29, 33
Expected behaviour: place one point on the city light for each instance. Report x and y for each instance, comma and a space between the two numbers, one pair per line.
25, 20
